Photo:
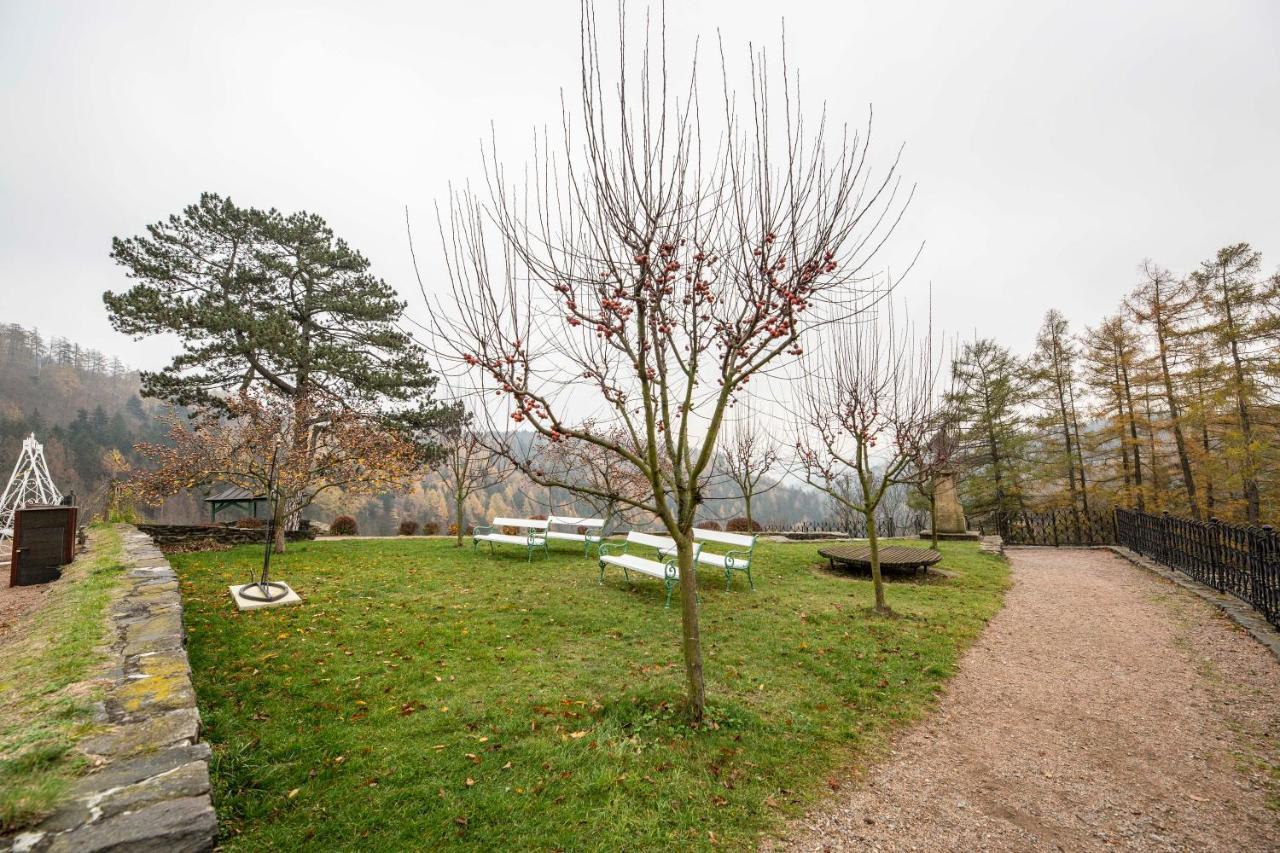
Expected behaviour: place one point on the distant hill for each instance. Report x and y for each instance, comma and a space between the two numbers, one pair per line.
80, 404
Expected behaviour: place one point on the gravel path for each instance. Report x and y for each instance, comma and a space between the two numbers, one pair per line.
1102, 709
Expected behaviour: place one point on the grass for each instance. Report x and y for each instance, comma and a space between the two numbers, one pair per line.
424, 696
43, 707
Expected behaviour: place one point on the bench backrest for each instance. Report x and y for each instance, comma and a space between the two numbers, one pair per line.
651, 540
663, 543
576, 522
528, 523
742, 540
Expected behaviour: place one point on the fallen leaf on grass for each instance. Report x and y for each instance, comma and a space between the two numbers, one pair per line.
576, 735
470, 781
293, 793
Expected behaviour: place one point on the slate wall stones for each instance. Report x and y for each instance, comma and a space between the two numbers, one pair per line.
176, 535
151, 790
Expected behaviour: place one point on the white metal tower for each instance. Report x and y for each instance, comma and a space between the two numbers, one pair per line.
30, 483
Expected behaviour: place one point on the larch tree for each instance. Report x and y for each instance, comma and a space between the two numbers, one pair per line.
988, 393
1232, 293
1165, 304
1110, 353
1052, 374
639, 274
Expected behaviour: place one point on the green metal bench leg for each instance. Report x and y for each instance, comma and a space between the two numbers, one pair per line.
728, 579
751, 580
670, 586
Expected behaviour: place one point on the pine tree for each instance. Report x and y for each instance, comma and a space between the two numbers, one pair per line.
263, 297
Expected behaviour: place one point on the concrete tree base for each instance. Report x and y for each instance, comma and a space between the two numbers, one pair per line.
242, 603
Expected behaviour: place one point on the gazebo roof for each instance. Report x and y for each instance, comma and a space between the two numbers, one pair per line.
234, 494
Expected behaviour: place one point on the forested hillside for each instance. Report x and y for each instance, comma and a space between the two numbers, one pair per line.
82, 404
1171, 403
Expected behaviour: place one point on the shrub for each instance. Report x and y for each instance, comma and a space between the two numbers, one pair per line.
408, 528
430, 528
343, 525
453, 529
249, 523
708, 524
739, 525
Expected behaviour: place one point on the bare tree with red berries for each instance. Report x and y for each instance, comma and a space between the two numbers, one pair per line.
624, 287
865, 412
749, 455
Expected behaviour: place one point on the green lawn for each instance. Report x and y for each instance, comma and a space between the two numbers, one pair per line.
44, 709
423, 696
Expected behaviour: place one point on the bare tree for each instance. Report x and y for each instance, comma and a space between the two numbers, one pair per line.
466, 461
749, 455
607, 482
865, 409
932, 458
637, 277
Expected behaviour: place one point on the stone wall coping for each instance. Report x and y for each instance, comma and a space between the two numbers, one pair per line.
150, 786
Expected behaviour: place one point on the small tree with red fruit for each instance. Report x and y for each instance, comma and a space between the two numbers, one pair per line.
628, 284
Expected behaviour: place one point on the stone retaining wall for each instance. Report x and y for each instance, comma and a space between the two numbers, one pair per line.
169, 535
151, 788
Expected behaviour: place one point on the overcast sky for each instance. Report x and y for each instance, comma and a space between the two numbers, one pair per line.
1054, 144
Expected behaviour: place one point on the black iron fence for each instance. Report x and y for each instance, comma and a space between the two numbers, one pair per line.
1242, 561
1051, 527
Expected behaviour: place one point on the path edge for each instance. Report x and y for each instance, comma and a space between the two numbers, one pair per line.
1236, 610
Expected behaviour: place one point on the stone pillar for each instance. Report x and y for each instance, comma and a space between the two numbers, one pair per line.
950, 513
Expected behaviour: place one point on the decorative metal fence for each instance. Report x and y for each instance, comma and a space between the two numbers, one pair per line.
1052, 527
1242, 561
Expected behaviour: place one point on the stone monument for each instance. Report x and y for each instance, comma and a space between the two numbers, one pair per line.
951, 522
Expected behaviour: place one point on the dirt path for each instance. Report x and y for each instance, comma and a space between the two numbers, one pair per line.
1102, 709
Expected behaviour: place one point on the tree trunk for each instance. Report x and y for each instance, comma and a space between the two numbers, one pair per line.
873, 540
933, 516
1133, 435
1248, 471
1189, 483
457, 514
690, 632
277, 529
746, 499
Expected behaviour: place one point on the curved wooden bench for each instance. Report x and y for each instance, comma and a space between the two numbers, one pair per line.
892, 557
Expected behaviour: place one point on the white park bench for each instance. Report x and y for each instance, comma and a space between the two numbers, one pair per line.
664, 570
735, 560
594, 528
534, 535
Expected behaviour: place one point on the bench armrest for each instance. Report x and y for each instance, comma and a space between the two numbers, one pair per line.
607, 548
482, 530
737, 559
670, 568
